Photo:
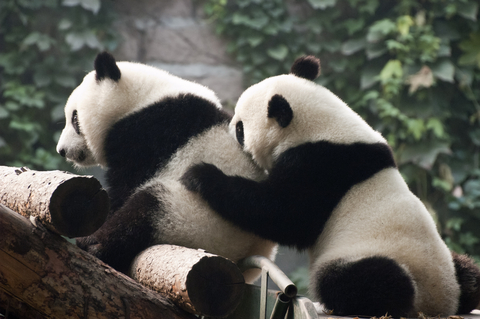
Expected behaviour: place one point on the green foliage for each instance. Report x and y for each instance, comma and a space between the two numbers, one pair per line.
410, 68
46, 46
301, 279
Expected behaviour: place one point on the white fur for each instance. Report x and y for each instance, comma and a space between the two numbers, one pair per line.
190, 218
379, 216
382, 217
190, 221
318, 115
101, 104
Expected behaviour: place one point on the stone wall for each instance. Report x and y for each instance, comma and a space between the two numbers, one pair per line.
174, 35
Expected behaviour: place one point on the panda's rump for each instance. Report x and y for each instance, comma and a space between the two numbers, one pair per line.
381, 217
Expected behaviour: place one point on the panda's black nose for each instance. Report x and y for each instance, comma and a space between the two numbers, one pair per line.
62, 152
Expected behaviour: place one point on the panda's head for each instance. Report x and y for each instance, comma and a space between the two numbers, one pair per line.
77, 141
285, 111
109, 93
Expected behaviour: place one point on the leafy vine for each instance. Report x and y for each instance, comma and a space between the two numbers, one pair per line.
46, 46
410, 68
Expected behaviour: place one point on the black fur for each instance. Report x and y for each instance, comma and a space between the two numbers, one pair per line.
239, 133
138, 145
126, 233
307, 67
373, 286
280, 110
468, 276
106, 67
292, 205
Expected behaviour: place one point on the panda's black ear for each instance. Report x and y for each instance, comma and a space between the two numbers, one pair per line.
307, 67
280, 110
106, 67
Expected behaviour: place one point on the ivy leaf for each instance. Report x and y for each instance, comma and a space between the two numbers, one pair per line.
374, 50
446, 31
416, 127
42, 79
64, 24
92, 5
380, 29
71, 3
393, 69
322, 4
354, 25
42, 41
444, 70
257, 22
75, 40
423, 154
436, 126
353, 45
444, 48
3, 112
404, 23
471, 47
423, 78
79, 40
468, 10
279, 52
475, 137
454, 223
66, 81
464, 76
254, 40
472, 187
369, 75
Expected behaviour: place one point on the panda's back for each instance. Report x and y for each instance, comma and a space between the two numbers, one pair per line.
141, 144
190, 221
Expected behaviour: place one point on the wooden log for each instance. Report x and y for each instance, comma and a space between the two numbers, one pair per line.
199, 282
68, 204
59, 280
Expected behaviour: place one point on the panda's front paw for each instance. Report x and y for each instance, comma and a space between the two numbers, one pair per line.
197, 177
91, 245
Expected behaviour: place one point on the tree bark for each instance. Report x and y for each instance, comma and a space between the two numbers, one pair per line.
59, 280
199, 282
67, 204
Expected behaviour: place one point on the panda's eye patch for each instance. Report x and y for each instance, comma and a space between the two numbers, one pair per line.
75, 124
239, 132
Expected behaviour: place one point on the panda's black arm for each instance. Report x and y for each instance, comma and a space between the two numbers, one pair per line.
257, 207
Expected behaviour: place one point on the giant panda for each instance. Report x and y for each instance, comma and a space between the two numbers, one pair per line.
146, 127
333, 188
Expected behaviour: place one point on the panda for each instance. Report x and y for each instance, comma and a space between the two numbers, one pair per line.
333, 188
146, 127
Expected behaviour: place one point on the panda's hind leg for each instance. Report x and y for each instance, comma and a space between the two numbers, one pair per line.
372, 286
468, 277
126, 232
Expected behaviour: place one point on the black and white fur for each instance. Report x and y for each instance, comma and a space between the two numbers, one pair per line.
333, 188
147, 127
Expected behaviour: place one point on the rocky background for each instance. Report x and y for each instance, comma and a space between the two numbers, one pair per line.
174, 35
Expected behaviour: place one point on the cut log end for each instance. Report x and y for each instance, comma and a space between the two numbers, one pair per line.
215, 286
65, 203
79, 206
201, 283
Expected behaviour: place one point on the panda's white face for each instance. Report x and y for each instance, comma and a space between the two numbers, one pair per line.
109, 93
72, 143
315, 114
